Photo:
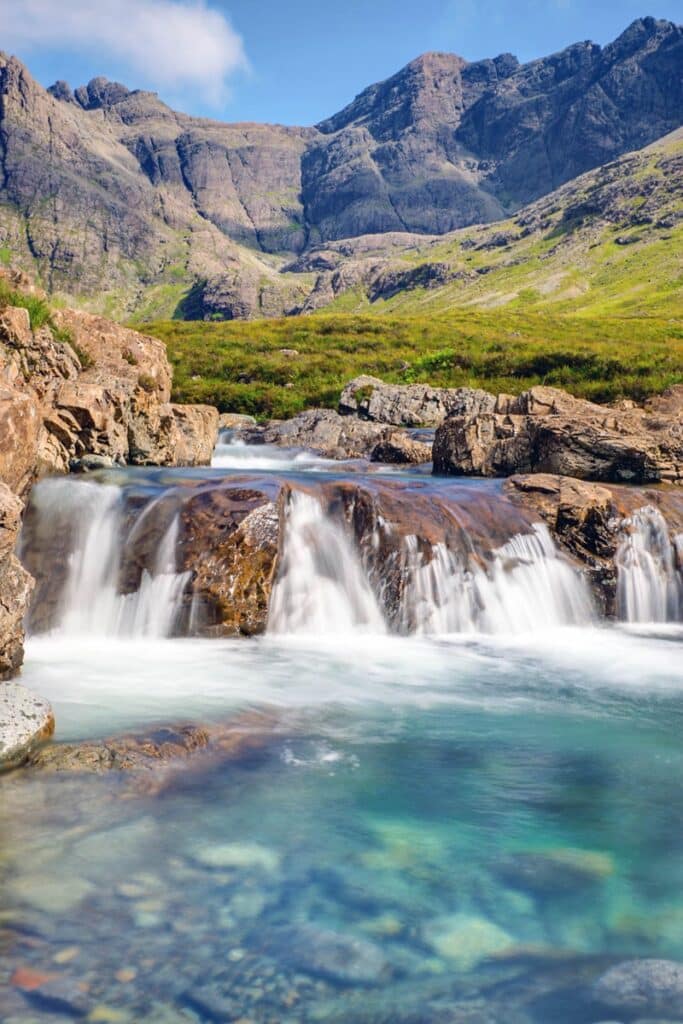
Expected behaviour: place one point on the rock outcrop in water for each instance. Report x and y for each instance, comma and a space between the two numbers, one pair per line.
594, 522
411, 405
15, 586
346, 437
77, 392
546, 430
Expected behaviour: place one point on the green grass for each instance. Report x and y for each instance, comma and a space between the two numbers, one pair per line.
39, 311
238, 366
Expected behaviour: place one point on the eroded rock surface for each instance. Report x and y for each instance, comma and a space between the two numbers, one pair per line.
346, 437
16, 586
546, 430
26, 722
411, 405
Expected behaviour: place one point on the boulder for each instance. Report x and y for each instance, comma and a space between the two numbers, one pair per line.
410, 405
16, 586
344, 437
398, 448
235, 420
325, 431
26, 722
196, 433
546, 430
650, 988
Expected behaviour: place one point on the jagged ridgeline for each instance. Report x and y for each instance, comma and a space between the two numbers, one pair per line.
128, 206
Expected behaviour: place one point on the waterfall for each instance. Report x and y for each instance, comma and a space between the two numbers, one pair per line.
649, 582
91, 602
321, 586
526, 586
324, 587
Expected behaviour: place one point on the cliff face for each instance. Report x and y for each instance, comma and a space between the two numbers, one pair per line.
110, 190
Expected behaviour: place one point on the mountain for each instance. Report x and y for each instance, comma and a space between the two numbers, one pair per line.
125, 205
609, 241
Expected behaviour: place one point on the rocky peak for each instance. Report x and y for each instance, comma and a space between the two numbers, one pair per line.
62, 91
100, 92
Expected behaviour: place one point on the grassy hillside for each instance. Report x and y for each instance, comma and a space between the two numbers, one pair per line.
607, 243
249, 366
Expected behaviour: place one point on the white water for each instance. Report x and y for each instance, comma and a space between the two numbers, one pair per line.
527, 587
323, 586
238, 455
91, 603
650, 582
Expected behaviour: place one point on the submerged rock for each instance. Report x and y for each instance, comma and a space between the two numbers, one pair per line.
336, 956
554, 872
651, 988
466, 940
26, 722
237, 855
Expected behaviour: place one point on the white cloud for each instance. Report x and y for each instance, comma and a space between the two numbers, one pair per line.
166, 44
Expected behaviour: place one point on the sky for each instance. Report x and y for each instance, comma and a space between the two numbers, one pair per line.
288, 61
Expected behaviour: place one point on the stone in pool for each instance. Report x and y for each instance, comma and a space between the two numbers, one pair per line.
465, 939
222, 856
649, 988
553, 872
324, 953
26, 721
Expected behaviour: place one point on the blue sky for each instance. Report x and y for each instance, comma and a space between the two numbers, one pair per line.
293, 62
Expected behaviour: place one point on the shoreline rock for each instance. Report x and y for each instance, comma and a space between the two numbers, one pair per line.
26, 723
546, 430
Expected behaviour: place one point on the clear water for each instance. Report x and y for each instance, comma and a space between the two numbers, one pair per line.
458, 828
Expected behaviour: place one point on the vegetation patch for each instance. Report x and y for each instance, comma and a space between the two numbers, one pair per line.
239, 366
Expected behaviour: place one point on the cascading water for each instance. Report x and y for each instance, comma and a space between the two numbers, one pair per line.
649, 581
525, 587
323, 586
91, 602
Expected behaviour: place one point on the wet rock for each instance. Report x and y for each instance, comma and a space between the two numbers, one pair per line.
212, 1003
26, 722
51, 894
410, 405
326, 432
59, 995
398, 448
466, 940
555, 872
644, 987
167, 748
336, 956
547, 430
586, 520
16, 586
91, 463
237, 855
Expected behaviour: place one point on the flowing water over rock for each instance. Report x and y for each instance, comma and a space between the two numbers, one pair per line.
465, 805
650, 582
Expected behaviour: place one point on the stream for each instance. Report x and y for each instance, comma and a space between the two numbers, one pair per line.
468, 807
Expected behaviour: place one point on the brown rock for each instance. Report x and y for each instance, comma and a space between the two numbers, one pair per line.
549, 431
15, 586
586, 519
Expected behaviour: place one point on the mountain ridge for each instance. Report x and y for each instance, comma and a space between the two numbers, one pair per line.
118, 200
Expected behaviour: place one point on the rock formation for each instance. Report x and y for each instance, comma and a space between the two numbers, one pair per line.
588, 520
545, 430
78, 387
346, 437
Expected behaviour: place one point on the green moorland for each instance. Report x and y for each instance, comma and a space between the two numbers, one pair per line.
246, 366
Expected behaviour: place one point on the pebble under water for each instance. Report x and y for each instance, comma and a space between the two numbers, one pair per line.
466, 828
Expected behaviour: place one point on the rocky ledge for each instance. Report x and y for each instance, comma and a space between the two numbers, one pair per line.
77, 391
545, 430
